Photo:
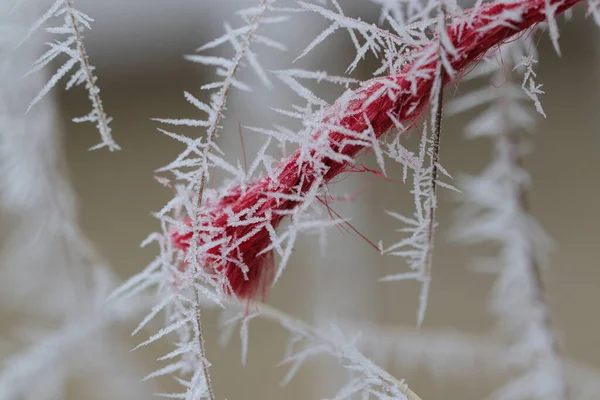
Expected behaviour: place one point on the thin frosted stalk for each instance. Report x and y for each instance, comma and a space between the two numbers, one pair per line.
435, 162
102, 122
218, 113
223, 94
511, 144
201, 347
296, 325
500, 213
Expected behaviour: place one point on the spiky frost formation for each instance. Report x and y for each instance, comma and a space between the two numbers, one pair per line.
367, 378
74, 24
418, 248
497, 210
51, 281
452, 356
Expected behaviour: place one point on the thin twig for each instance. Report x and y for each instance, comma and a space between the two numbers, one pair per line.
276, 315
93, 90
513, 142
509, 152
201, 348
223, 95
435, 160
209, 140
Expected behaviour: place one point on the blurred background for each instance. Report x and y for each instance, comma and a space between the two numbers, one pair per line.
137, 47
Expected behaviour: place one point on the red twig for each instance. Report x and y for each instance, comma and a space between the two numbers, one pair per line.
406, 98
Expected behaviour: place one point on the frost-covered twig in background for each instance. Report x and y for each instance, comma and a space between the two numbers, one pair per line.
57, 355
72, 45
497, 210
49, 272
371, 379
453, 355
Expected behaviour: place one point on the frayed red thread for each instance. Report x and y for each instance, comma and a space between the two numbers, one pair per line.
293, 176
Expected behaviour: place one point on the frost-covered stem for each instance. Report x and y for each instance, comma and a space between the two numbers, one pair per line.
435, 161
201, 347
501, 215
93, 90
61, 345
219, 110
223, 93
286, 320
442, 350
70, 280
511, 143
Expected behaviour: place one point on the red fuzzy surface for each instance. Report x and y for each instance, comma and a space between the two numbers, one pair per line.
409, 99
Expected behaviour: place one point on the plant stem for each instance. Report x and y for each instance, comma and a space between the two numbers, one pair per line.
220, 109
210, 138
513, 143
93, 90
435, 160
276, 315
201, 349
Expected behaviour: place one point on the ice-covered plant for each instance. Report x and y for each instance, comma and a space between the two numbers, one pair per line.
225, 242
